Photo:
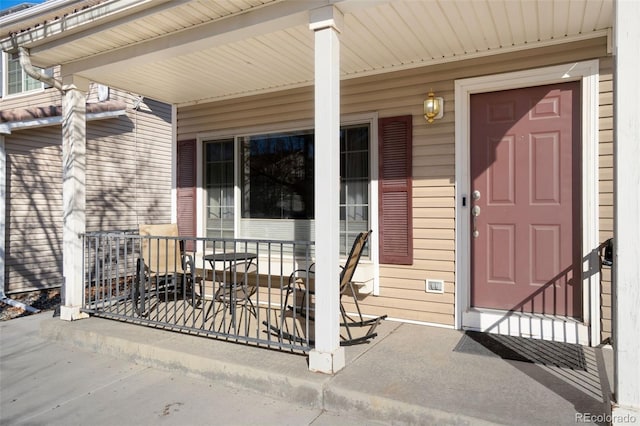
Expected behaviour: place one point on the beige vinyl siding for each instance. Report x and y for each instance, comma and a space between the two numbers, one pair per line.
128, 181
402, 288
129, 167
605, 161
33, 246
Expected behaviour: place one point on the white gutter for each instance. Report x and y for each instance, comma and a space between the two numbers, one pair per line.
49, 6
25, 63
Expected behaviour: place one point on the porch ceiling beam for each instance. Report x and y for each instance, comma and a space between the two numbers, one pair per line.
255, 22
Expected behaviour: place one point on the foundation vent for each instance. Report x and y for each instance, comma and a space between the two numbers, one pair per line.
434, 286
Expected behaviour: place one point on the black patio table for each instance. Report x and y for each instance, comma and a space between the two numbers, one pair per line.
229, 257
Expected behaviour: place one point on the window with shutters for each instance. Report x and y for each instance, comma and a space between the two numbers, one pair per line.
186, 189
272, 176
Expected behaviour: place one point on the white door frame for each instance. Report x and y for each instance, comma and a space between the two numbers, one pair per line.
532, 325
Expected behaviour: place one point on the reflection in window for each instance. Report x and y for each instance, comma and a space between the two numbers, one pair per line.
277, 176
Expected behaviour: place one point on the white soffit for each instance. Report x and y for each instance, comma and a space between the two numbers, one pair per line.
190, 51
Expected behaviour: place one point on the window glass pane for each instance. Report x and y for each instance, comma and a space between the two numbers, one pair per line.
14, 77
354, 166
219, 187
31, 83
17, 80
277, 176
354, 192
354, 185
358, 138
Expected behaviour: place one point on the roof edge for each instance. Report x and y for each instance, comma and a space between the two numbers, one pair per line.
34, 13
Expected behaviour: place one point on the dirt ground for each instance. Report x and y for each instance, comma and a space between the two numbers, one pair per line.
45, 300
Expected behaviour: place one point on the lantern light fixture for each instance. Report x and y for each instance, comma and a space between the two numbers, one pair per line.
433, 107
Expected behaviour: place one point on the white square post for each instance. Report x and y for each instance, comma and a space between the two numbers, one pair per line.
327, 356
74, 141
626, 268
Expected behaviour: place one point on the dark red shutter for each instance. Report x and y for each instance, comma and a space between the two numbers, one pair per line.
186, 190
396, 227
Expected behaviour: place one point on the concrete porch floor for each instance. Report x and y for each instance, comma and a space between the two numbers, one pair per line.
409, 374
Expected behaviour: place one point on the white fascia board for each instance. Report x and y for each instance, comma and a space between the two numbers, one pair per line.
6, 128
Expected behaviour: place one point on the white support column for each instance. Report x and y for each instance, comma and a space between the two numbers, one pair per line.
74, 140
626, 281
327, 356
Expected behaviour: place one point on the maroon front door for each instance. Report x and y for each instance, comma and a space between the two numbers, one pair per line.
525, 200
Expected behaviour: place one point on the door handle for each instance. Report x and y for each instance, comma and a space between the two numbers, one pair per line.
475, 212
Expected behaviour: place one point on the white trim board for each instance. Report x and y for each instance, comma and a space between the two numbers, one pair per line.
552, 328
7, 128
537, 326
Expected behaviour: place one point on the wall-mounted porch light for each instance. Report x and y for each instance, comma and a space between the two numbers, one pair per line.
433, 107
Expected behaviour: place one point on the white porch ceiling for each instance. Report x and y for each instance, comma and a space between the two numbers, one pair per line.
187, 51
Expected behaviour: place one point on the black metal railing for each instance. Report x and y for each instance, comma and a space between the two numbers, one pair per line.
240, 290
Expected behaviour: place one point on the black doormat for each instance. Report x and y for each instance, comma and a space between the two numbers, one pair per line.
565, 355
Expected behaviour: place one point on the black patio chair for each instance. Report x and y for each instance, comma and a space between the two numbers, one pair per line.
301, 289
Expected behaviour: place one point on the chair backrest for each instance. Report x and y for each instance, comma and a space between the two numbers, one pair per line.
354, 257
161, 255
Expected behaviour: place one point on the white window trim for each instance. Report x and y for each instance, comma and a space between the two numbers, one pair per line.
560, 328
370, 118
5, 82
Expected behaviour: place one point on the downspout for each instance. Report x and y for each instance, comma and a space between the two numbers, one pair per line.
8, 301
25, 63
